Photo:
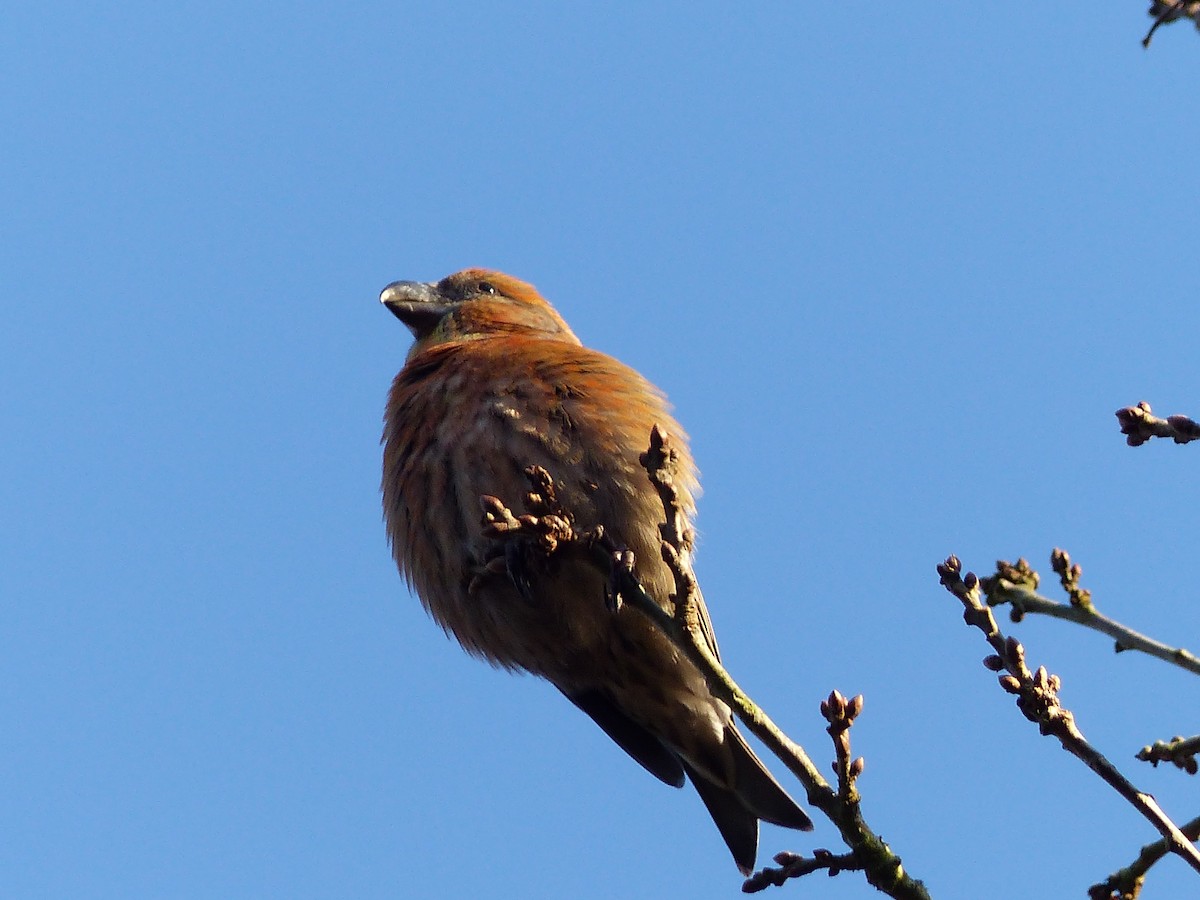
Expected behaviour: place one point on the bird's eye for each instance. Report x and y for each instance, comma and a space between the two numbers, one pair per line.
486, 287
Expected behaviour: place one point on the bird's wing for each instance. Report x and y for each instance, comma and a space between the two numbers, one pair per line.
655, 756
706, 627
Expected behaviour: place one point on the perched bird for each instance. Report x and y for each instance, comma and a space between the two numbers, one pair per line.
496, 382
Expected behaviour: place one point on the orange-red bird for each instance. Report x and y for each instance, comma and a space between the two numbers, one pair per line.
497, 382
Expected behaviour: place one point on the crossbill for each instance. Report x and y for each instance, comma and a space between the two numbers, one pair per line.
496, 382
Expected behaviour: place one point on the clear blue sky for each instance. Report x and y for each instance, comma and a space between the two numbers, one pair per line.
895, 266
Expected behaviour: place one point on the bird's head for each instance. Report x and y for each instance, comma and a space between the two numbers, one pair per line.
473, 303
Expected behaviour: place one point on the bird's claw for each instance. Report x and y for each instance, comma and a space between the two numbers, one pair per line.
522, 544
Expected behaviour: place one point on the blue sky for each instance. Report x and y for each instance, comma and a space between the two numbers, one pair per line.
896, 268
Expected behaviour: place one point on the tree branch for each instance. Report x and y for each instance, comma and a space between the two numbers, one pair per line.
1165, 12
1139, 424
546, 528
1037, 698
793, 865
882, 867
1016, 584
1126, 884
1179, 750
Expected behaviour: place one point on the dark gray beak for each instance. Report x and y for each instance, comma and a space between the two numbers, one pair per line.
417, 304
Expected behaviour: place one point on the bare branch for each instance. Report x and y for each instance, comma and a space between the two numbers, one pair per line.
1037, 698
881, 866
527, 541
1126, 884
840, 713
1179, 750
1139, 424
1165, 12
793, 865
1016, 584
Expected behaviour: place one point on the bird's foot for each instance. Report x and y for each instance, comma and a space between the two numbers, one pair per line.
520, 547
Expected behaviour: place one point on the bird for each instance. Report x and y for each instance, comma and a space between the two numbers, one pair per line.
496, 382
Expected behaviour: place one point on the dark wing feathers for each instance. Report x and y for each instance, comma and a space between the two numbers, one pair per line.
655, 757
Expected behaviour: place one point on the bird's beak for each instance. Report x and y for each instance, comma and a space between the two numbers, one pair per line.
417, 304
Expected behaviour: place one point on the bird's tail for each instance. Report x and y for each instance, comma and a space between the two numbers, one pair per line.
753, 794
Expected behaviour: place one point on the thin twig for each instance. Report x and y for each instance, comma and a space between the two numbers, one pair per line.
793, 865
1168, 12
1179, 751
1126, 883
1037, 698
882, 867
546, 528
1016, 584
1139, 424
840, 713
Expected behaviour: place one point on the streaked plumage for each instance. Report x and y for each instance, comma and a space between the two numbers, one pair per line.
496, 382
